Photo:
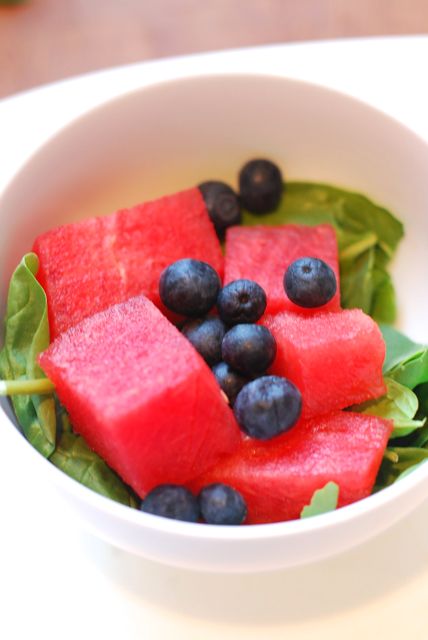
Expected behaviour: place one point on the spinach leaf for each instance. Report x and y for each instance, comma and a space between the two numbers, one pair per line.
322, 501
26, 335
399, 404
406, 361
398, 460
75, 458
368, 236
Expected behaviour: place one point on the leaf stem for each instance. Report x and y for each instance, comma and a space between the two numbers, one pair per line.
26, 387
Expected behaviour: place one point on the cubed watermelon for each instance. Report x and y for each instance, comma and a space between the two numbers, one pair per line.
87, 266
263, 253
278, 478
335, 358
141, 395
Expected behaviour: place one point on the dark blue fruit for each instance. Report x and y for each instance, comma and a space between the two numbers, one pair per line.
172, 501
310, 282
249, 348
230, 381
268, 406
206, 335
189, 287
221, 504
260, 186
222, 204
241, 301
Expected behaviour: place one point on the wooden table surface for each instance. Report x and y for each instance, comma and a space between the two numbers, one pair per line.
46, 40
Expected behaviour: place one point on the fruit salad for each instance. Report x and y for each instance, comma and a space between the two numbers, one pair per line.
219, 356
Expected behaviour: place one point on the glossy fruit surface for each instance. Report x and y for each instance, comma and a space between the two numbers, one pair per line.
249, 348
172, 501
230, 381
222, 204
189, 287
206, 335
310, 282
221, 504
260, 186
267, 407
241, 301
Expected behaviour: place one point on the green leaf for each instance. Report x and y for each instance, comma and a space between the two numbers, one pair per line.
406, 361
368, 236
322, 501
396, 461
399, 404
77, 460
26, 335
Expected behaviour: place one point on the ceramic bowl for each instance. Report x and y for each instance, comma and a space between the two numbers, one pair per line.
174, 134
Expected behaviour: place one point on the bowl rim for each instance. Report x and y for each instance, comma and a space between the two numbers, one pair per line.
108, 506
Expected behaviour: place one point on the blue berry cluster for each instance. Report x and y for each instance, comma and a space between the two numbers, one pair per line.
238, 350
260, 189
216, 504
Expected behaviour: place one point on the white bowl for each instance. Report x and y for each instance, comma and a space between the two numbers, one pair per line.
173, 135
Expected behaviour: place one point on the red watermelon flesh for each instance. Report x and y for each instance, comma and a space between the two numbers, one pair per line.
335, 359
87, 266
141, 396
278, 478
263, 253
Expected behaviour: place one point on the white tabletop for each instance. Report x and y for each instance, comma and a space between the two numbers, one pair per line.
57, 581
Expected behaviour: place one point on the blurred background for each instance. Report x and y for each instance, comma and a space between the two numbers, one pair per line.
46, 40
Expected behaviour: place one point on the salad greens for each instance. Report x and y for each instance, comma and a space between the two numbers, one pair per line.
367, 234
322, 501
73, 456
399, 404
26, 335
406, 361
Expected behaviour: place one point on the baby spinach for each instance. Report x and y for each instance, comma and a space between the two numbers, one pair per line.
73, 456
397, 462
26, 335
46, 428
406, 361
399, 404
367, 234
322, 501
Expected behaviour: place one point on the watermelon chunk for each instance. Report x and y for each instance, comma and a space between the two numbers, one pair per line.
263, 253
87, 266
335, 359
277, 478
141, 396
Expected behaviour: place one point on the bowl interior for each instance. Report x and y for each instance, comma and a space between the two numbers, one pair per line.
173, 135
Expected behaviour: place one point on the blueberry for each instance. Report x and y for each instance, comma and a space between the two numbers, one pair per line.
260, 186
206, 335
172, 501
268, 406
222, 204
249, 348
189, 287
230, 381
221, 504
241, 301
310, 282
